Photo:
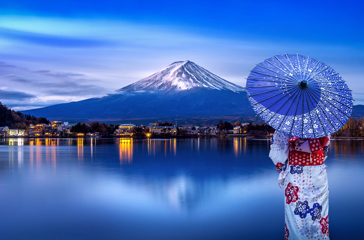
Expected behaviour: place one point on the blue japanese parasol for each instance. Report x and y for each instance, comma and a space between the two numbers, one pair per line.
299, 96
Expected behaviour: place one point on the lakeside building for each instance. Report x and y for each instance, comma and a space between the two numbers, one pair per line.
95, 134
237, 130
159, 130
36, 130
40, 130
65, 128
53, 129
213, 131
4, 131
16, 132
56, 125
190, 129
125, 130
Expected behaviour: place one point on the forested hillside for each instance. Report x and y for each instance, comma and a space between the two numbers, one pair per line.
19, 120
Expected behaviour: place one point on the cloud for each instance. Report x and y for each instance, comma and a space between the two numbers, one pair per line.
23, 88
52, 40
15, 95
58, 84
48, 82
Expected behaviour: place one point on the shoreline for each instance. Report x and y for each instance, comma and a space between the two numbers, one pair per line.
144, 137
177, 137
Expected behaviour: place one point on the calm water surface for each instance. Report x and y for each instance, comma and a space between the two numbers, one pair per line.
161, 189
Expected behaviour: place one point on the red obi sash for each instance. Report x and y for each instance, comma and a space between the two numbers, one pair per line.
307, 152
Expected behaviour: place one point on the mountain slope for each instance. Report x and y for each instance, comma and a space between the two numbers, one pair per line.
194, 106
182, 75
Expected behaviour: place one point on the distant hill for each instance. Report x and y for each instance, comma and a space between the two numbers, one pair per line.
358, 111
182, 92
17, 120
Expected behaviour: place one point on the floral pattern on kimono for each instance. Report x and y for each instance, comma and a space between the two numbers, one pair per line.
315, 211
325, 225
286, 232
291, 193
302, 209
296, 169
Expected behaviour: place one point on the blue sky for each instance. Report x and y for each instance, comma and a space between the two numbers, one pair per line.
61, 51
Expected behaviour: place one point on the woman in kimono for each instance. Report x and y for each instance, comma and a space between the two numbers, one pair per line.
300, 163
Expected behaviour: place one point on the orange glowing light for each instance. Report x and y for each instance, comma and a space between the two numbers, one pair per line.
126, 150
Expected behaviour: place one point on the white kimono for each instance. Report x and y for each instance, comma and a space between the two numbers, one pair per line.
306, 193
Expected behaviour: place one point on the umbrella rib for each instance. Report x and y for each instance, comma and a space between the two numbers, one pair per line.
343, 89
337, 101
272, 71
325, 68
339, 110
305, 70
280, 69
268, 98
322, 102
284, 65
289, 61
263, 92
270, 105
326, 116
333, 113
322, 89
335, 106
322, 126
282, 105
267, 74
318, 104
333, 98
285, 115
262, 86
332, 82
265, 80
294, 114
313, 69
309, 113
299, 67
328, 76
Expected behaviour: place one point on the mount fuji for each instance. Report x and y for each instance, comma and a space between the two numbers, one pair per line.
182, 75
183, 92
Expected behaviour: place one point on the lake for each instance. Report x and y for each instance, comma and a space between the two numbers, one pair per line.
161, 189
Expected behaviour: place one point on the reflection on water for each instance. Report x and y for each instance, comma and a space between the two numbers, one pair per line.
125, 150
46, 149
168, 145
198, 188
238, 145
348, 148
80, 149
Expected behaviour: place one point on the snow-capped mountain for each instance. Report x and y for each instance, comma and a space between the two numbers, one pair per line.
183, 92
182, 75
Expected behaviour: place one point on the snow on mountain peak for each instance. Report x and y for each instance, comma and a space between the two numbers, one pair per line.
182, 75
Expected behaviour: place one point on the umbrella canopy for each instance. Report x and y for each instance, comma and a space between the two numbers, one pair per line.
299, 96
